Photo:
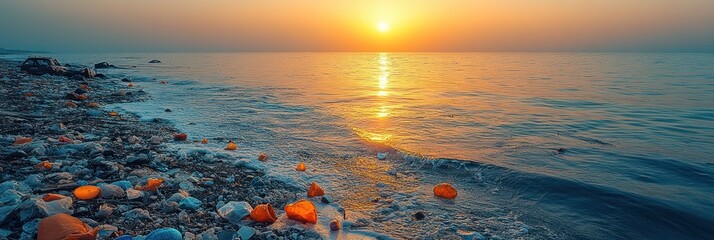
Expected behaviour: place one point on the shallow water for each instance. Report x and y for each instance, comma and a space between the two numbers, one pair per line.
638, 130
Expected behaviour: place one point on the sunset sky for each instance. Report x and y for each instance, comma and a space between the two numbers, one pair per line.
322, 25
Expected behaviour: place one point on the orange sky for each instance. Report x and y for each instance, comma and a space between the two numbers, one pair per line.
321, 25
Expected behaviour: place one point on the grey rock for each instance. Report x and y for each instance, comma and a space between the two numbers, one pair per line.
137, 214
190, 203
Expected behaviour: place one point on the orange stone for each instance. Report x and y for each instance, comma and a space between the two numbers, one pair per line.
315, 190
303, 211
151, 185
180, 137
231, 146
63, 226
263, 156
44, 165
263, 213
445, 190
65, 139
86, 192
204, 141
22, 140
52, 197
113, 114
301, 167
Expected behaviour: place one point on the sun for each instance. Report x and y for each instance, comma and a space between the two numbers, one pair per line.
382, 26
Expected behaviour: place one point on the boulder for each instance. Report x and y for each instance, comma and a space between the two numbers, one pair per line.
103, 65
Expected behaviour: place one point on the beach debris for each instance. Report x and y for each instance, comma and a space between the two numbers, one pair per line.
263, 157
231, 146
22, 140
301, 167
164, 234
335, 225
163, 82
245, 232
315, 190
63, 226
445, 190
52, 197
263, 213
419, 215
302, 210
44, 165
204, 141
382, 156
42, 65
151, 185
235, 211
154, 61
86, 192
180, 137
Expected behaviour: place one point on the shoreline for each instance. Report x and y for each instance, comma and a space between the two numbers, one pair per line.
113, 150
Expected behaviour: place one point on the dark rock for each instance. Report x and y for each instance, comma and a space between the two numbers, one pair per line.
80, 91
419, 215
154, 61
335, 225
88, 73
125, 80
102, 76
561, 150
167, 110
77, 77
19, 154
326, 199
107, 153
73, 96
103, 65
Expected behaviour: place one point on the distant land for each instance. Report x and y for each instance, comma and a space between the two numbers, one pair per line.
4, 51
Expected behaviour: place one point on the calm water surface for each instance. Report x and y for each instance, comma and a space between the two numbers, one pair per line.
637, 132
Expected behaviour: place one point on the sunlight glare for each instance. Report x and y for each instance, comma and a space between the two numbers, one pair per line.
383, 26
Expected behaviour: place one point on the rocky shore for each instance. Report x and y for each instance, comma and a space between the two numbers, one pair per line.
56, 135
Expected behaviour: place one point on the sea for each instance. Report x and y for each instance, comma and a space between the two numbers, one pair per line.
539, 145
